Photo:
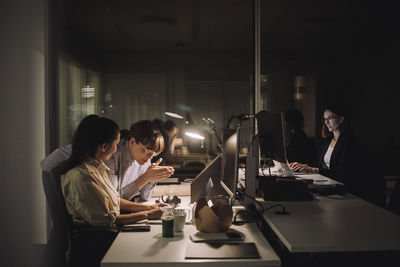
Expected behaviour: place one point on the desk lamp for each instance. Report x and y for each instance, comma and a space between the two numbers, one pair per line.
173, 115
195, 135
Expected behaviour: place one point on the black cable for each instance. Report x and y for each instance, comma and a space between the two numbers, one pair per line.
282, 212
248, 148
236, 222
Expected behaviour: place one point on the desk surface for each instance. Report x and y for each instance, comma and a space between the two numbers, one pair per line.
151, 249
335, 224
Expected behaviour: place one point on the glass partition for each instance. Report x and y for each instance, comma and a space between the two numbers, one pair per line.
135, 60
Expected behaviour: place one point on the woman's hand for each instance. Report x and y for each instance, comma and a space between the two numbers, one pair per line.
157, 205
154, 214
298, 167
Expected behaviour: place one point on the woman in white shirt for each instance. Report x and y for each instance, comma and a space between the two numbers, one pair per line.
89, 195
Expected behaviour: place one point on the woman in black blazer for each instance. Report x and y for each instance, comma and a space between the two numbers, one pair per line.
343, 159
338, 152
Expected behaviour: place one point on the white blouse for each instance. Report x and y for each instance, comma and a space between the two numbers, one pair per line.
89, 195
327, 157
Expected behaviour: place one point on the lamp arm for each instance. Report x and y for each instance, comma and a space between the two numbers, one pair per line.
214, 131
220, 145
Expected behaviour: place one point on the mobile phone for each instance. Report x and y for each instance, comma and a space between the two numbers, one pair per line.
234, 236
135, 228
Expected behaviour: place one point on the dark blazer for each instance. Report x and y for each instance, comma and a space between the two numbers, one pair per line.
343, 160
355, 166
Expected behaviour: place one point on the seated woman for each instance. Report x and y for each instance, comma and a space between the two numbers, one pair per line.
343, 159
90, 197
337, 154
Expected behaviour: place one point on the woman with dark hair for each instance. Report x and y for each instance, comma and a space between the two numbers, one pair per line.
342, 158
338, 150
90, 197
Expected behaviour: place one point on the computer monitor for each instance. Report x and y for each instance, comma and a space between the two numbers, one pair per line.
221, 173
204, 181
230, 160
272, 136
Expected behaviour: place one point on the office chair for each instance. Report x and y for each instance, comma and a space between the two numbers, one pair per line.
394, 201
369, 183
69, 245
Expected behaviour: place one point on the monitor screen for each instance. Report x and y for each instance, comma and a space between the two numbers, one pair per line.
230, 159
203, 182
272, 137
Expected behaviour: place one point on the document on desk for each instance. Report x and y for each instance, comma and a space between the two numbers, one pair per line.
320, 181
246, 250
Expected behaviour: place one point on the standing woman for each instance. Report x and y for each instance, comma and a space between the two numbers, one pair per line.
337, 154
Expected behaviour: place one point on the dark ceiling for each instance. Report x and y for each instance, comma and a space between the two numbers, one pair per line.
288, 27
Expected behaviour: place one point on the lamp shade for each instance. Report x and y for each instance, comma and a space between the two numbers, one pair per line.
173, 115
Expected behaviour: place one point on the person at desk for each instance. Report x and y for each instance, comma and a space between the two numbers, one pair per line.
90, 198
131, 170
338, 150
169, 131
299, 147
172, 131
89, 195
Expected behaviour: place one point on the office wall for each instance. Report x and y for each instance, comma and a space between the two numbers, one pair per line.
22, 142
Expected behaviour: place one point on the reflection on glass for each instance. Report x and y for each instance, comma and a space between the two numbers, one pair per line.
194, 66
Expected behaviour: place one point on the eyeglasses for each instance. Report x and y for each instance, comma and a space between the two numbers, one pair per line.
146, 150
330, 118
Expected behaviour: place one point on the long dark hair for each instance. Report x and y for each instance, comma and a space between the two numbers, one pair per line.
92, 132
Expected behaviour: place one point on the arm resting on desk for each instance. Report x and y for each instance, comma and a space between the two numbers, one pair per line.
138, 212
129, 206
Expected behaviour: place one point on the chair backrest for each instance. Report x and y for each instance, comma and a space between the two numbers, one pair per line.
368, 176
62, 221
394, 201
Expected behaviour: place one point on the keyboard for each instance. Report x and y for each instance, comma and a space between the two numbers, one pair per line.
168, 181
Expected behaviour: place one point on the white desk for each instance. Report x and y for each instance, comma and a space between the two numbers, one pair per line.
320, 181
335, 224
151, 249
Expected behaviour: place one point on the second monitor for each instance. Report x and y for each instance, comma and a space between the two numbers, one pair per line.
223, 169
